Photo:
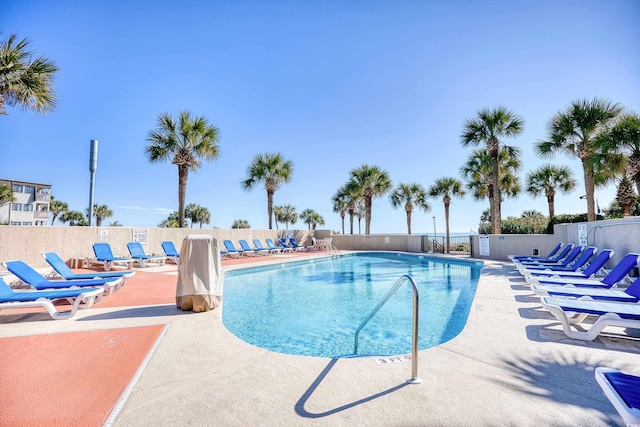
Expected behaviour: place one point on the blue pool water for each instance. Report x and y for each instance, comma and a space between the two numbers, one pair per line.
314, 307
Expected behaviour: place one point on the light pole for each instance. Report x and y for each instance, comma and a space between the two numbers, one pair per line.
434, 234
93, 166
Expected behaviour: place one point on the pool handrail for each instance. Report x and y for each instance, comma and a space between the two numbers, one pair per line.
414, 336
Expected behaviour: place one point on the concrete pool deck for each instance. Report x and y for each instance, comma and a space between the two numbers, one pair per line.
511, 365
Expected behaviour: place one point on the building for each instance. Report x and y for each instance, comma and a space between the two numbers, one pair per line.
30, 205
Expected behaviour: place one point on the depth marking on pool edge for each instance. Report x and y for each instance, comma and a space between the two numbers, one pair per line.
398, 359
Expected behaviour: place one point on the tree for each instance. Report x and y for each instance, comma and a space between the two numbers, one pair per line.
624, 139
409, 196
549, 179
626, 196
477, 172
74, 218
488, 129
25, 82
368, 182
240, 223
340, 202
115, 224
100, 212
197, 214
185, 142
271, 169
286, 214
574, 132
359, 212
531, 213
311, 218
446, 187
278, 213
57, 207
6, 194
171, 221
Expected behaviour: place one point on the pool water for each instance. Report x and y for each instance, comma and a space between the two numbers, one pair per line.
313, 307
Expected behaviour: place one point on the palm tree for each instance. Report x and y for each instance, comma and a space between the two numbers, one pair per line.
549, 179
25, 82
197, 214
6, 194
57, 207
101, 212
185, 143
115, 224
446, 187
368, 182
574, 132
626, 196
359, 211
531, 213
410, 196
311, 218
73, 218
171, 221
240, 223
488, 129
340, 202
477, 172
286, 214
624, 138
278, 212
273, 170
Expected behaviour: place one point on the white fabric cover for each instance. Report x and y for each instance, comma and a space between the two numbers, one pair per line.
200, 275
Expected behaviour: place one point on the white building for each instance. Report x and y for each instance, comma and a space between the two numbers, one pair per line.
31, 205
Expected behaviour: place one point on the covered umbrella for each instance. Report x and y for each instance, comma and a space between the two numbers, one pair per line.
200, 275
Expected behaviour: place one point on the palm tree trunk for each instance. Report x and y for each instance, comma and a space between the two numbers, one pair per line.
342, 216
446, 222
589, 187
496, 223
550, 203
409, 222
183, 175
351, 213
367, 215
270, 207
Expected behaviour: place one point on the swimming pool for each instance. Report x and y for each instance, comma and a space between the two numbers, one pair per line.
313, 307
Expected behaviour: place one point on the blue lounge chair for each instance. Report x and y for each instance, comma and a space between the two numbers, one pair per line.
534, 257
617, 273
573, 312
271, 245
571, 263
630, 294
258, 244
298, 247
231, 249
31, 277
568, 259
285, 245
554, 259
105, 257
79, 298
65, 272
623, 391
170, 252
137, 253
592, 269
246, 249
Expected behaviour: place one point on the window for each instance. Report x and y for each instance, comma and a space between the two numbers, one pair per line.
18, 188
27, 223
28, 207
30, 189
15, 222
16, 207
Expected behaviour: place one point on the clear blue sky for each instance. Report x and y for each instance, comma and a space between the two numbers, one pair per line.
331, 85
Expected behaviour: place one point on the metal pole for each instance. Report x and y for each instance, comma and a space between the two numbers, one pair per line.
93, 165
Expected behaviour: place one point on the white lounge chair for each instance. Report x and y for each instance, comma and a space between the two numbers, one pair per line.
630, 294
573, 312
623, 391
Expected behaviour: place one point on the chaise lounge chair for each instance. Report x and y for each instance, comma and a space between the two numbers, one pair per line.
61, 269
617, 273
105, 257
573, 312
554, 259
31, 277
246, 249
170, 252
535, 257
258, 244
591, 270
298, 247
272, 246
285, 245
137, 253
630, 294
231, 250
623, 391
571, 263
568, 259
79, 298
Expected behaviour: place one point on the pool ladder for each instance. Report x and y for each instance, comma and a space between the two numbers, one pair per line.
414, 338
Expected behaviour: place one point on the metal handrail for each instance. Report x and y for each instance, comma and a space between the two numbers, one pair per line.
414, 337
